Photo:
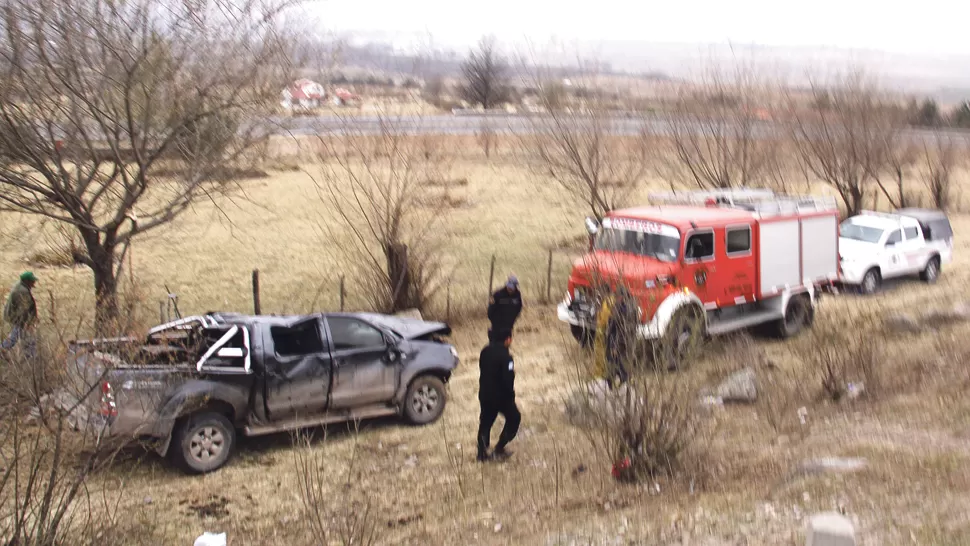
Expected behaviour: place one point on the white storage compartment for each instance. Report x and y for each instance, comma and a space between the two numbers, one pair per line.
779, 257
820, 249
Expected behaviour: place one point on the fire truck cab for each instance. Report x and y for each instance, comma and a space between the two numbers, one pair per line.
719, 261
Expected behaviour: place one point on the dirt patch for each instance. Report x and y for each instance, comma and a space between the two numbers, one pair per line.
216, 506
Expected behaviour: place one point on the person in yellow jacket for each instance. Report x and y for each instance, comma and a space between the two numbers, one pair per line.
600, 366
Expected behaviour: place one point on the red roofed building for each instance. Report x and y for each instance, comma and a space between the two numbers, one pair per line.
304, 93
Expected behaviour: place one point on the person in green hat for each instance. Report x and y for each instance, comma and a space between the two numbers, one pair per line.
21, 313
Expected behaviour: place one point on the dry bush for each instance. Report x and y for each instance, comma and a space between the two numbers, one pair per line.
848, 137
839, 355
329, 518
375, 185
650, 425
487, 138
942, 154
717, 138
52, 454
582, 148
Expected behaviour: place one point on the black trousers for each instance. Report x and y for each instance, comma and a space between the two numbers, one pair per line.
489, 413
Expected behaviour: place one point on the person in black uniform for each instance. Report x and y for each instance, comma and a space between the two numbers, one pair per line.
505, 306
496, 394
620, 336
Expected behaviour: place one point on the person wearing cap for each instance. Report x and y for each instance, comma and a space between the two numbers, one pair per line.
21, 313
505, 306
496, 394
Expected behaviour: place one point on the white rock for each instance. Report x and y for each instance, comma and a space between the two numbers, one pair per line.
833, 464
830, 529
741, 386
211, 539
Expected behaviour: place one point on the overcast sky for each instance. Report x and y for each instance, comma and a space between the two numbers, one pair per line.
922, 46
934, 27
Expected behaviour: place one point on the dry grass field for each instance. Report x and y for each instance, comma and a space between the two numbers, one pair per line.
422, 486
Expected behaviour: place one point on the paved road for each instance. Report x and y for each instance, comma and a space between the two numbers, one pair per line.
446, 124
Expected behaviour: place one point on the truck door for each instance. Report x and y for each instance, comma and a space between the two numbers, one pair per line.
915, 252
364, 373
736, 282
298, 369
892, 262
698, 266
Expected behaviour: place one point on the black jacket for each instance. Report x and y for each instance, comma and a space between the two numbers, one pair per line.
504, 309
496, 382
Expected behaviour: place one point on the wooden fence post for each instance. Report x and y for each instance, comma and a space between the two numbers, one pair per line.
549, 278
256, 305
448, 302
343, 293
491, 276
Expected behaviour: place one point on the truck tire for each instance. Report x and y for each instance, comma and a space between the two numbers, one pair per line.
425, 400
799, 314
684, 331
931, 272
871, 282
203, 442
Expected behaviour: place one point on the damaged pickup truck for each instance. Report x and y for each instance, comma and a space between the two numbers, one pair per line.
195, 383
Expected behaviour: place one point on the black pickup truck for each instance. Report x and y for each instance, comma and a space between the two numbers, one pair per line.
194, 383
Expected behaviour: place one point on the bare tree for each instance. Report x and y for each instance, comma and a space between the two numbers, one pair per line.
382, 187
941, 154
847, 136
96, 96
485, 75
581, 145
718, 135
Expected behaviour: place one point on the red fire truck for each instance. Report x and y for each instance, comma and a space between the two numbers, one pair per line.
719, 261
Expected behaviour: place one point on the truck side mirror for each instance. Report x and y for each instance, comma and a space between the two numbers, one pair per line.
592, 227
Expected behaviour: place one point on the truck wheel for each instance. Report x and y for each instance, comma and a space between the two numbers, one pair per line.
683, 333
799, 314
203, 442
582, 335
871, 282
931, 272
425, 400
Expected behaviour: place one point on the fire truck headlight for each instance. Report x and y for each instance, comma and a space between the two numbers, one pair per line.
650, 284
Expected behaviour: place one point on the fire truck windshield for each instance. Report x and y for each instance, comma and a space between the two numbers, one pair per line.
653, 245
858, 232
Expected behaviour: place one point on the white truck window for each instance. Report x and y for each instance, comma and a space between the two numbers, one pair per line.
894, 238
911, 232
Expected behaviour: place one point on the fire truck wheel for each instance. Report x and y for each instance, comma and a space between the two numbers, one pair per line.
798, 315
683, 334
871, 282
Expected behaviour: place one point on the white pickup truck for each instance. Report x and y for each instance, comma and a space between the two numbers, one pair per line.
874, 246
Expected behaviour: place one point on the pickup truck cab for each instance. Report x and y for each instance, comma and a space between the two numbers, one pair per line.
193, 384
874, 246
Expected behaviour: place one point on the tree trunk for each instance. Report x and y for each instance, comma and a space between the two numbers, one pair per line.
399, 276
101, 260
106, 296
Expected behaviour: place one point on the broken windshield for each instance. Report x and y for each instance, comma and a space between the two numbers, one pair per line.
661, 247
